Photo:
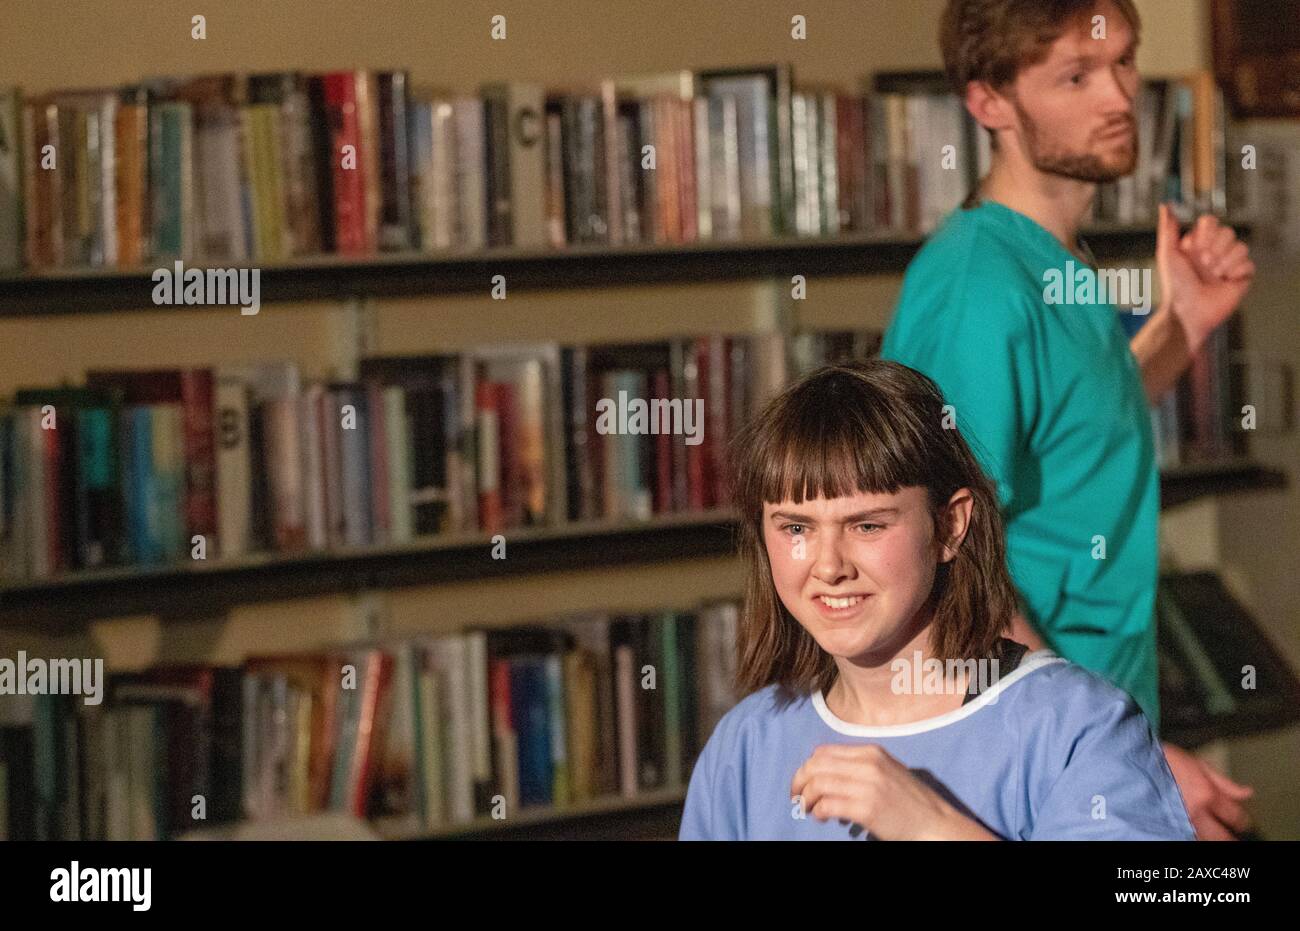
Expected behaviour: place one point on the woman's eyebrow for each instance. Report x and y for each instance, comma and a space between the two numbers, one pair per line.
872, 514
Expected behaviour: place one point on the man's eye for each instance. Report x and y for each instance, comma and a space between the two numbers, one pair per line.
868, 528
1077, 78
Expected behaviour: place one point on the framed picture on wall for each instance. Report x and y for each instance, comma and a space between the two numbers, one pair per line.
1257, 55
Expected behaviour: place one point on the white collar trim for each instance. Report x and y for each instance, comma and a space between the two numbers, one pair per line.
1031, 662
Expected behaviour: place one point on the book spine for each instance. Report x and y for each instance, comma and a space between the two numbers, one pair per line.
197, 393
397, 431
394, 161
233, 466
347, 166
489, 466
377, 435
313, 470
170, 165
11, 179
284, 463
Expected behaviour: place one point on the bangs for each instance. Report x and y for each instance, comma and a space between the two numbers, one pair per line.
835, 435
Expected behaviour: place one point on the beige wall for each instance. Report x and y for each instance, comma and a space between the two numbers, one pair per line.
46, 44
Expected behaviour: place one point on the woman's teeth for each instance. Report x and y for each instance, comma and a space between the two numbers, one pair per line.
840, 602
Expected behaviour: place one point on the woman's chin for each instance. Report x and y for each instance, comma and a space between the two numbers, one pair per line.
845, 643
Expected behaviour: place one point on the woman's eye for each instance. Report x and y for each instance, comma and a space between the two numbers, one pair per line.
1077, 79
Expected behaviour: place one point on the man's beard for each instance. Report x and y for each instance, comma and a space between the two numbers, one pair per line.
1078, 166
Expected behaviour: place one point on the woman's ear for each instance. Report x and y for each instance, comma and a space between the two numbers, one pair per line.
954, 522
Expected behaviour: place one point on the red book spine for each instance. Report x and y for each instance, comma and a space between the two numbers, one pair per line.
684, 116
845, 168
510, 484
347, 165
502, 730
197, 399
370, 729
499, 688
673, 216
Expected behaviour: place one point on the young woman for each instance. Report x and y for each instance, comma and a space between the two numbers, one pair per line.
882, 700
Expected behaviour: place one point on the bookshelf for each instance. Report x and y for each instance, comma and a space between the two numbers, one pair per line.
173, 590
647, 816
404, 274
63, 602
199, 590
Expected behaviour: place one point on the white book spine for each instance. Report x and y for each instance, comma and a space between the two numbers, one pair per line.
234, 466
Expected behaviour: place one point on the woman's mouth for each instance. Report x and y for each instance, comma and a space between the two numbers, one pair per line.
840, 606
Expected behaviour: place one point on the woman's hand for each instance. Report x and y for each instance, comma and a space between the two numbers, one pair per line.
863, 783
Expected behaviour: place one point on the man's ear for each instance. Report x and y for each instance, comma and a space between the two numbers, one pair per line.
989, 108
954, 522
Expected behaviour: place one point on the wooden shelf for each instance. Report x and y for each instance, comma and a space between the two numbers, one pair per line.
649, 816
205, 589
332, 277
1188, 483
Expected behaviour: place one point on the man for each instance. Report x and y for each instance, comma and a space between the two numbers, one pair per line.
1051, 393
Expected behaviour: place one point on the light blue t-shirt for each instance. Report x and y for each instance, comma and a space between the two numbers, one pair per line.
1049, 751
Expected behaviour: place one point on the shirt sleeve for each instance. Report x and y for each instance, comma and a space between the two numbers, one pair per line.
1115, 784
713, 799
981, 353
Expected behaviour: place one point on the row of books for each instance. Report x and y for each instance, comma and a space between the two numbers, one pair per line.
265, 168
1200, 419
429, 733
154, 467
1181, 151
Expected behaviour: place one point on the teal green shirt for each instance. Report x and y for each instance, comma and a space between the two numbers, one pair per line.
1050, 398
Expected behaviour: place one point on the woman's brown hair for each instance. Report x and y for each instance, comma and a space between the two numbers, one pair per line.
862, 427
